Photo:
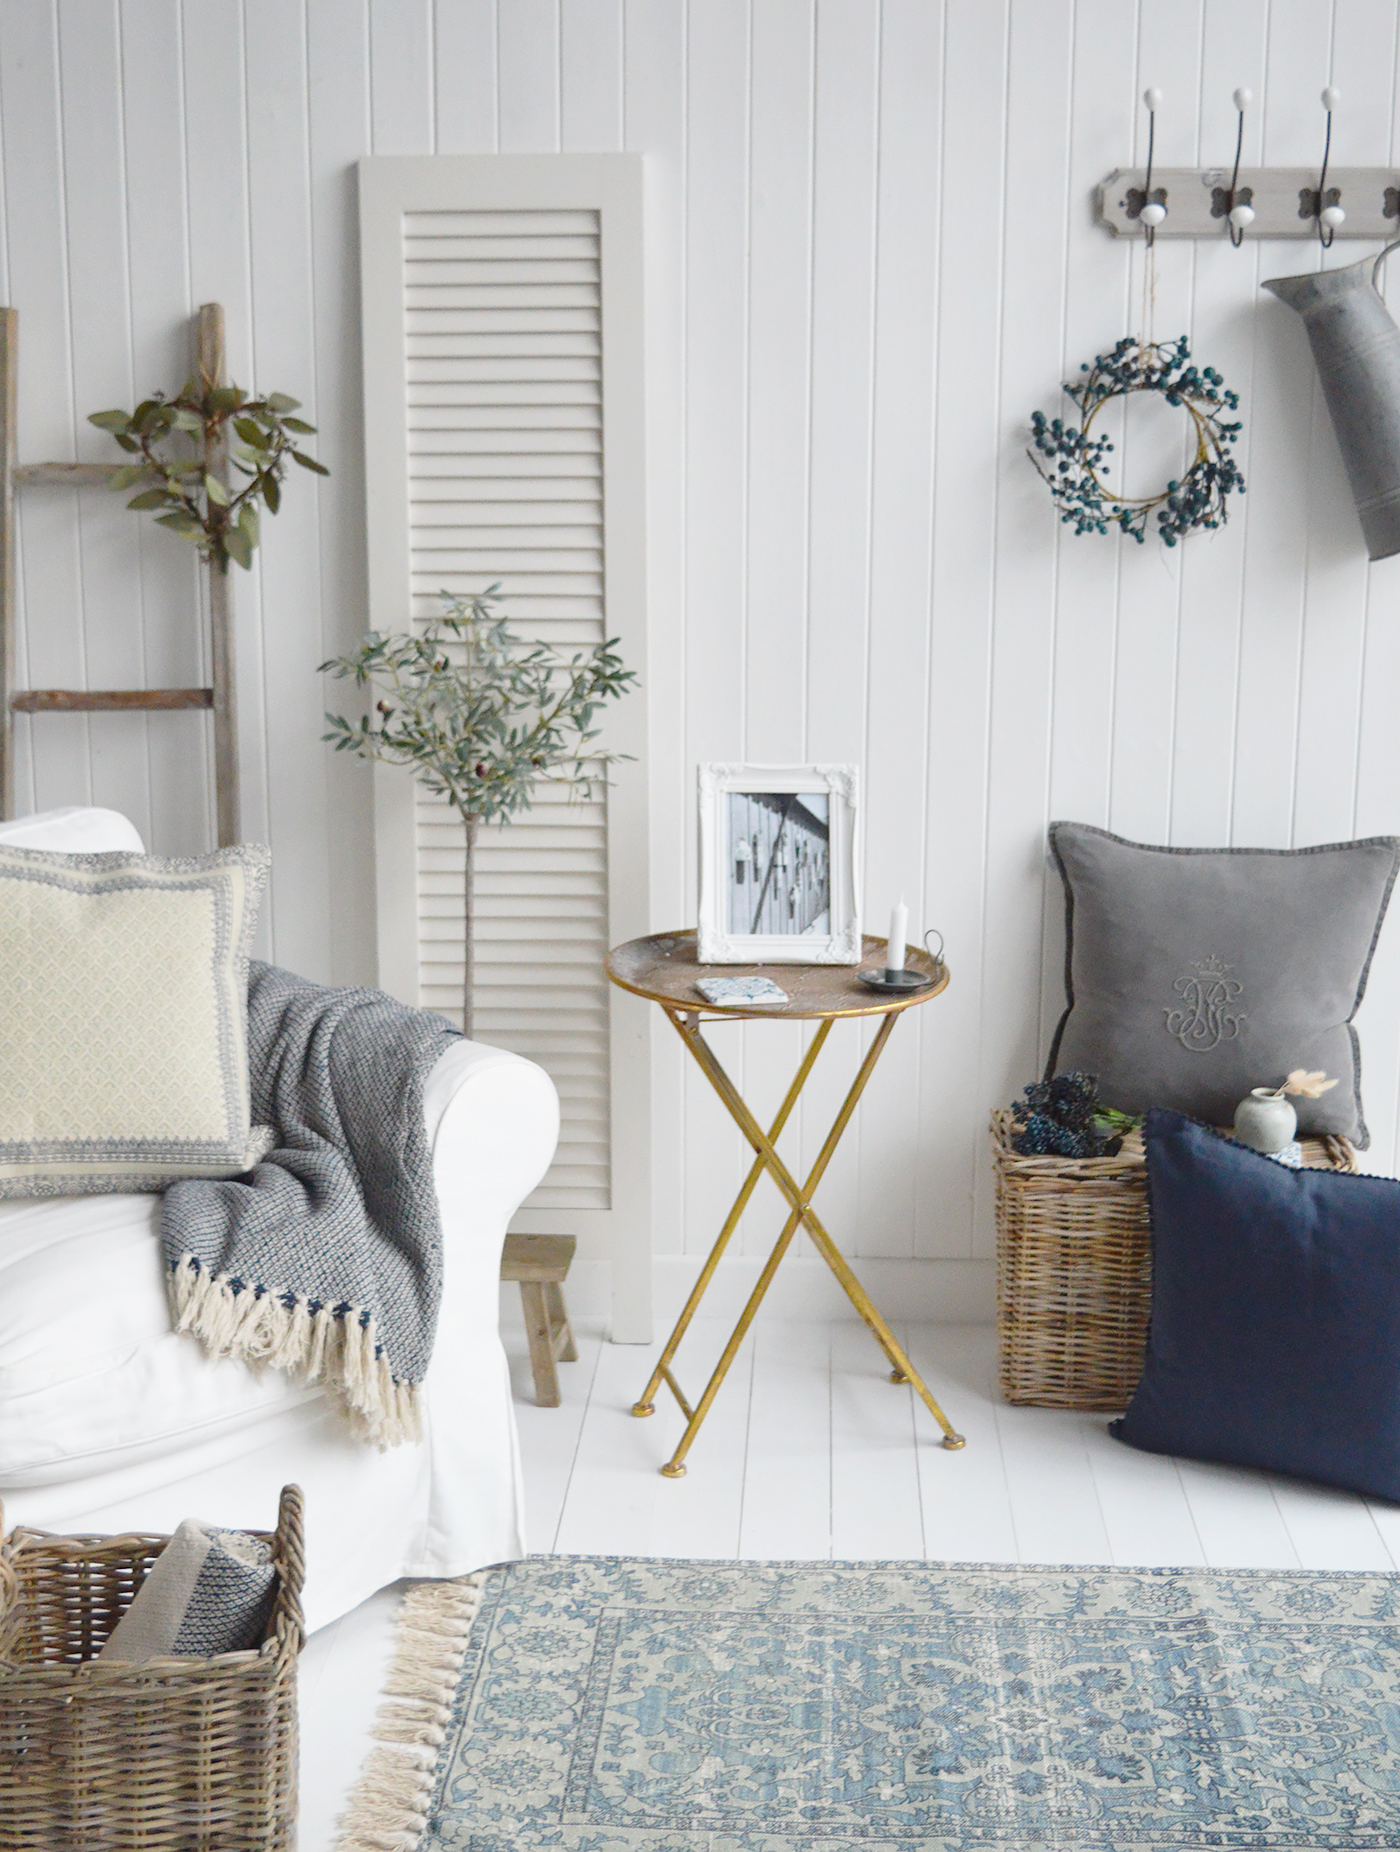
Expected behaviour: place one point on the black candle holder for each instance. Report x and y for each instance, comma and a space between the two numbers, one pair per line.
893, 983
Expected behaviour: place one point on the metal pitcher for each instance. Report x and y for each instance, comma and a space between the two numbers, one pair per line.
1357, 349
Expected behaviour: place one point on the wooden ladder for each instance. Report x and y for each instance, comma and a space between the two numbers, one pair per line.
209, 361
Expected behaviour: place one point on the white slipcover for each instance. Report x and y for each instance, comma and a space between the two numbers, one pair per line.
110, 1422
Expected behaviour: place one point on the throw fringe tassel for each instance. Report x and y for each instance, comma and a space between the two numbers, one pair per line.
314, 1346
388, 1806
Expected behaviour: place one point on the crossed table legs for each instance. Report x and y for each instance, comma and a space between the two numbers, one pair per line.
801, 1215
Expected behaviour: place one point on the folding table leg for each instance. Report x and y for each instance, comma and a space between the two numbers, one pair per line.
802, 1214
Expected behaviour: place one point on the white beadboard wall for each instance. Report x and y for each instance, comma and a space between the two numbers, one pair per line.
871, 255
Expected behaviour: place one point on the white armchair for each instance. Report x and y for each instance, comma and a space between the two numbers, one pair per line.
111, 1422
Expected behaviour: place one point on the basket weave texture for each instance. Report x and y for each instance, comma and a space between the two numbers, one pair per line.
1074, 1269
176, 1755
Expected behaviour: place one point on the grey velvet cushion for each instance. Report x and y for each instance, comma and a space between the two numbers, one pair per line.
1192, 975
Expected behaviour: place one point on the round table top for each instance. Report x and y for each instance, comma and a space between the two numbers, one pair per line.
664, 967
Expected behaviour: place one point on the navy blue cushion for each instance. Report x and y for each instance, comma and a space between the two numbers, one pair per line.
1275, 1335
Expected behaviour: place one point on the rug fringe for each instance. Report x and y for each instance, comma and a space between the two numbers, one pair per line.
387, 1809
313, 1346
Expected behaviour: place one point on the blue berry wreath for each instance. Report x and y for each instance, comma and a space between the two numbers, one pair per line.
1075, 457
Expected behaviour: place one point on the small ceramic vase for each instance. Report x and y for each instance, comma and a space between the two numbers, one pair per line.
1266, 1120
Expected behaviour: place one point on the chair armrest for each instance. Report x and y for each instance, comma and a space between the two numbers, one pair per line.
493, 1123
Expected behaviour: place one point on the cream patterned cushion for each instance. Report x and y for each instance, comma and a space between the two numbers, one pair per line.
123, 1018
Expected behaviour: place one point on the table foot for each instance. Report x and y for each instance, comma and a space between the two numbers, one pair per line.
898, 1376
644, 1408
672, 1471
953, 1441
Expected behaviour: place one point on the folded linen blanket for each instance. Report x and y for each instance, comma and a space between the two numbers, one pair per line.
209, 1591
326, 1261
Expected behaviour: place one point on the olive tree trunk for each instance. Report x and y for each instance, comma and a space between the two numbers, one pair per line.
469, 973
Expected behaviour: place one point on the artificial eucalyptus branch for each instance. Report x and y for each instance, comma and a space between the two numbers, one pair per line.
184, 447
480, 717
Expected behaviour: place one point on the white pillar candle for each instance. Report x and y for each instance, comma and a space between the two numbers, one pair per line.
899, 937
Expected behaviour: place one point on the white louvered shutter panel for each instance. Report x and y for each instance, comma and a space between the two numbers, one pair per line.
505, 440
507, 454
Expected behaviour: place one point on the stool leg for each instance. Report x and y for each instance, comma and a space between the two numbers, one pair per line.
560, 1331
541, 1348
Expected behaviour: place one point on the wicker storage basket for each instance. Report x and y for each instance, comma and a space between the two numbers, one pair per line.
1074, 1269
177, 1755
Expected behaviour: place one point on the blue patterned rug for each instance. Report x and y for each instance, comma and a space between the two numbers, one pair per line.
613, 1705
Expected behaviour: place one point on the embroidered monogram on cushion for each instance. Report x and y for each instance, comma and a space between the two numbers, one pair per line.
1204, 1018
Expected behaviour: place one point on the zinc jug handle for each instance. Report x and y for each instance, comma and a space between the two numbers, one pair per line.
1376, 267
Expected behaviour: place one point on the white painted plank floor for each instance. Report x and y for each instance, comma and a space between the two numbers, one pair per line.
810, 1452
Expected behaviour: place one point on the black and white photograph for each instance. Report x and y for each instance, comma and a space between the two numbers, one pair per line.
779, 862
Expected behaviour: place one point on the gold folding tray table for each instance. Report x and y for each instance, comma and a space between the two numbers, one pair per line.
664, 968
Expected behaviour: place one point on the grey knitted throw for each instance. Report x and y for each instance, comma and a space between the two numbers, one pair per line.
326, 1261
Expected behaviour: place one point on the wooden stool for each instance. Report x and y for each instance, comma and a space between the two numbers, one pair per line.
541, 1264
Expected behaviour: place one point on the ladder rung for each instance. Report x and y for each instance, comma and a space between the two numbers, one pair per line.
102, 701
73, 474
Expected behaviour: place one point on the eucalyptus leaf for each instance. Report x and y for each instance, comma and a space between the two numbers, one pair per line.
239, 547
109, 421
310, 463
280, 402
151, 498
215, 490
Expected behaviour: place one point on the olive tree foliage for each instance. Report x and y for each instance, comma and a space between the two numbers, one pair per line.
480, 717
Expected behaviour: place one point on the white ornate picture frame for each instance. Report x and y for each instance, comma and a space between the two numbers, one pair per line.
778, 850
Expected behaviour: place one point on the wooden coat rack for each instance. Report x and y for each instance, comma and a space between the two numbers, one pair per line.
209, 360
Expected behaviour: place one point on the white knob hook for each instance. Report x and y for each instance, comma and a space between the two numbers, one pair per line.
1329, 216
1153, 212
1241, 214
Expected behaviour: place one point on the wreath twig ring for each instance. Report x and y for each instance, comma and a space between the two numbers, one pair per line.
1075, 458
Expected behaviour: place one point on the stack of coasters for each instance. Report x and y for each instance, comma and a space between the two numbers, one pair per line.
732, 991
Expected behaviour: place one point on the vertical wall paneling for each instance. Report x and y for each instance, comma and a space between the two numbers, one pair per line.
1283, 458
716, 365
1206, 694
1023, 633
54, 749
503, 372
157, 283
845, 142
773, 676
109, 562
402, 99
654, 118
1149, 612
338, 130
218, 159
289, 582
901, 512
464, 65
968, 420
528, 76
871, 253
